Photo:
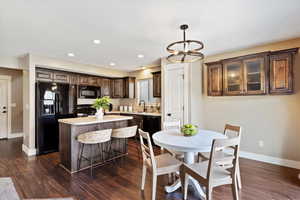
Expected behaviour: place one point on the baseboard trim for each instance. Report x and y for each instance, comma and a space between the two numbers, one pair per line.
270, 159
15, 135
27, 151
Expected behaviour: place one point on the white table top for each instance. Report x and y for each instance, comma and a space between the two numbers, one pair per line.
174, 140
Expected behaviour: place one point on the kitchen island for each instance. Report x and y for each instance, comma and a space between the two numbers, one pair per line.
70, 128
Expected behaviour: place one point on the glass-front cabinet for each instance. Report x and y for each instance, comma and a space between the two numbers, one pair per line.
254, 75
245, 75
233, 78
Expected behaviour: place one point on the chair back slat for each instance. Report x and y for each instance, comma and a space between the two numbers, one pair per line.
171, 125
147, 150
232, 131
231, 160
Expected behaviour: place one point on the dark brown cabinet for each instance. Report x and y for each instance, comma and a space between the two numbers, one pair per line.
136, 121
215, 79
74, 79
93, 81
281, 71
44, 75
105, 87
255, 76
245, 75
118, 88
129, 87
233, 78
60, 77
156, 84
83, 80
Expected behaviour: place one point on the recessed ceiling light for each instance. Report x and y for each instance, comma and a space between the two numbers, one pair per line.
140, 56
112, 64
96, 41
71, 54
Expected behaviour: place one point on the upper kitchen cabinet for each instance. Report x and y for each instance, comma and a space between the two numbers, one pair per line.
83, 80
129, 87
281, 71
61, 77
233, 77
105, 87
214, 79
74, 78
156, 84
246, 75
118, 88
255, 74
44, 75
93, 81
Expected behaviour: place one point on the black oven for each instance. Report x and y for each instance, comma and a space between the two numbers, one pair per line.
89, 92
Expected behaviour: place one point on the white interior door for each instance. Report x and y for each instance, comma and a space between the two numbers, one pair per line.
3, 108
174, 94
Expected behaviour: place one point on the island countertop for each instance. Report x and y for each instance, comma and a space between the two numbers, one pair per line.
92, 120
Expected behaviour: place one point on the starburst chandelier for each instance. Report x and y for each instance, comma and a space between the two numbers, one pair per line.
185, 50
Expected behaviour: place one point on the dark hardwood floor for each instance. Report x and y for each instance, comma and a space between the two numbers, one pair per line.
41, 177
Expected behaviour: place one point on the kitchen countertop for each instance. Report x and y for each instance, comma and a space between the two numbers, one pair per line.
93, 120
135, 113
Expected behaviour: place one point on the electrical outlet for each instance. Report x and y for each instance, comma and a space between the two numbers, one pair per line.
261, 143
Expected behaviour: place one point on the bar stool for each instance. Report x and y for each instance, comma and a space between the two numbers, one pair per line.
120, 136
92, 138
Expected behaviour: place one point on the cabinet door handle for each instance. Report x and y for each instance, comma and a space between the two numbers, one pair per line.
4, 111
169, 114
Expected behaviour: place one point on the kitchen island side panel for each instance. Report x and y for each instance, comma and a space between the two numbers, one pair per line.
70, 148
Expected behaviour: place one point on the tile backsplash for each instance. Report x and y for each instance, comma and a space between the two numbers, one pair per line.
153, 107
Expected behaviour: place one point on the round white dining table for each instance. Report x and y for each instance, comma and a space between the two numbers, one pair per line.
174, 140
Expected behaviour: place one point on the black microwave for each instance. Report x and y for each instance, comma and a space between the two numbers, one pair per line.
89, 92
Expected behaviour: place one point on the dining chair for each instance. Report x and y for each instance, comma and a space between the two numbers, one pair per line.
230, 131
173, 125
209, 173
158, 165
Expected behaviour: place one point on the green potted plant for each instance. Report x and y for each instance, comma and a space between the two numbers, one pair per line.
189, 130
100, 104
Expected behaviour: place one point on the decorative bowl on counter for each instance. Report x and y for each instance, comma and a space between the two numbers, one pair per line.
189, 130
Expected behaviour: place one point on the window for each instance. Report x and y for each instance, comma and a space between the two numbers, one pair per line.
145, 89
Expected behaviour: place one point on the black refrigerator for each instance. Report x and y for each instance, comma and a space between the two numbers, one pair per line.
52, 104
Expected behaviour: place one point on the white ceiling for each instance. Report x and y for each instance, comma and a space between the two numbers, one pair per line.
127, 28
